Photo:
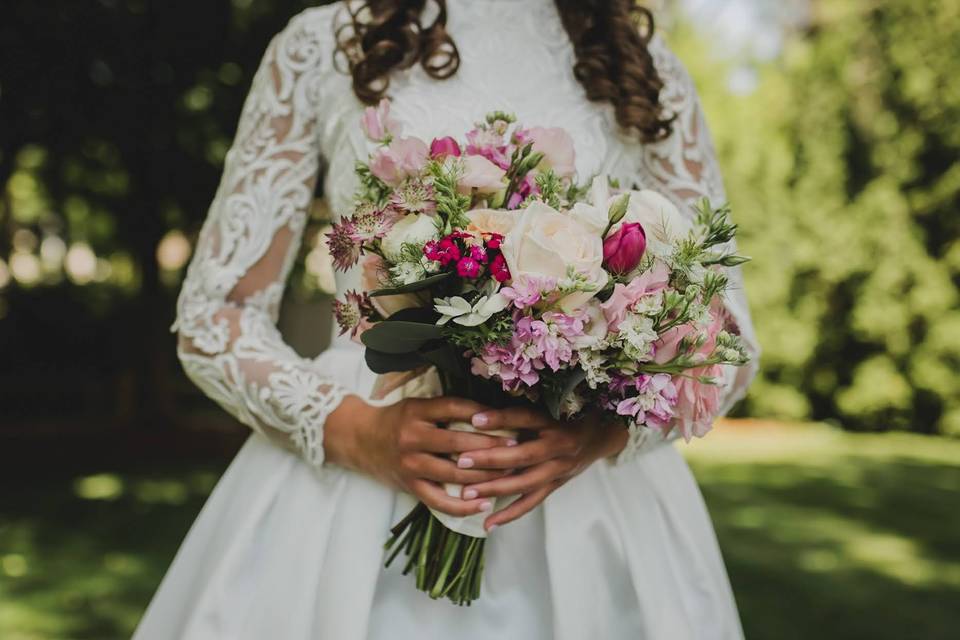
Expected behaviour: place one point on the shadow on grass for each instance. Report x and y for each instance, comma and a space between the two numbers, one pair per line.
829, 544
855, 549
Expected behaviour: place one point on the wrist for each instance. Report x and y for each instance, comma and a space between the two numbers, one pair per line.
345, 431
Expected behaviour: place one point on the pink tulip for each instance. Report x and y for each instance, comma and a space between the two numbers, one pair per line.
623, 249
446, 146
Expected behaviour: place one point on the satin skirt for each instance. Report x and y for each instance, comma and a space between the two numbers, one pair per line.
285, 551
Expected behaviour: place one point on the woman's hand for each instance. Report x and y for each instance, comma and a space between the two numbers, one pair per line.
560, 452
402, 446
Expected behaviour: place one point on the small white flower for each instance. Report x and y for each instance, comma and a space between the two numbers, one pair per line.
408, 272
592, 364
460, 311
649, 305
638, 336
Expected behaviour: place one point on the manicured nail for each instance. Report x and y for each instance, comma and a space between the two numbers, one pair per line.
486, 505
470, 494
492, 527
464, 463
511, 443
480, 420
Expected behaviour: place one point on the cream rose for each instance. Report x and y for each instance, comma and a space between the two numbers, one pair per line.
416, 229
497, 221
547, 243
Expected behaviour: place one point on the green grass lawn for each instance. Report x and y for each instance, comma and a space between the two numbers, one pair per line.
826, 535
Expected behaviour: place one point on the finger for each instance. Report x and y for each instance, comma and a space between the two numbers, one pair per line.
430, 467
522, 506
435, 497
522, 455
437, 440
513, 418
525, 482
446, 409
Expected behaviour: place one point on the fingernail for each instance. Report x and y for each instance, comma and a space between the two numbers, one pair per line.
486, 505
470, 494
492, 527
511, 443
480, 420
464, 463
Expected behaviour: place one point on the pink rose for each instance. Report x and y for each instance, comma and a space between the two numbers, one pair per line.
624, 296
377, 123
556, 145
698, 403
623, 249
401, 159
482, 175
443, 147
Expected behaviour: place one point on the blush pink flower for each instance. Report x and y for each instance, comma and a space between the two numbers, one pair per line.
556, 145
698, 403
377, 123
527, 291
401, 159
480, 174
624, 296
489, 144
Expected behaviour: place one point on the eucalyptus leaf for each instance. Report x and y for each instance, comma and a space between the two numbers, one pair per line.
413, 287
398, 336
380, 362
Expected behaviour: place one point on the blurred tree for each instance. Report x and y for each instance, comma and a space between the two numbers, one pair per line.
843, 170
116, 117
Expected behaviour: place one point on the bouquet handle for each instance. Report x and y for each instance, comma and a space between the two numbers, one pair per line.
472, 525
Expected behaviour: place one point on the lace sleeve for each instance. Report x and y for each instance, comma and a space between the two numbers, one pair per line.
229, 343
684, 168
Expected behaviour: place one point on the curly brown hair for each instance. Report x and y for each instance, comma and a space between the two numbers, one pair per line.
609, 38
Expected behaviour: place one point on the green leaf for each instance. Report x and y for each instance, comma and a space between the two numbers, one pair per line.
398, 336
419, 285
447, 358
380, 362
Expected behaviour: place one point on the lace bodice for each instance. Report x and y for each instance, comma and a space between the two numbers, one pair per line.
301, 115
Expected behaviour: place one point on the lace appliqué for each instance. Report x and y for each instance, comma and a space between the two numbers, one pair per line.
228, 306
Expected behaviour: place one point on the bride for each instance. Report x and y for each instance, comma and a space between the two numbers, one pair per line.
611, 539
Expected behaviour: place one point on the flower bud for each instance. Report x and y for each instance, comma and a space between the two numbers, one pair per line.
623, 249
618, 209
443, 147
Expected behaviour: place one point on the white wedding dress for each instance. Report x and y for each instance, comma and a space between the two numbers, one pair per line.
289, 547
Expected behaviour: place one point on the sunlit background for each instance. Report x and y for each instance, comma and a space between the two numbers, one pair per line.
835, 491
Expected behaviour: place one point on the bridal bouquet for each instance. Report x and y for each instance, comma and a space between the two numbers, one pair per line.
483, 260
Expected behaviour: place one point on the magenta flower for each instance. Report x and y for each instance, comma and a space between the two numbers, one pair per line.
478, 253
443, 251
623, 249
443, 147
494, 241
499, 269
344, 249
468, 267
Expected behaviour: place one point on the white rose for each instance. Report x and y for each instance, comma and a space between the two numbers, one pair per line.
416, 229
594, 215
662, 222
547, 243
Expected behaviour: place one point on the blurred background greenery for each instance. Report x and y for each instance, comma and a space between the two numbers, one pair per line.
837, 126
